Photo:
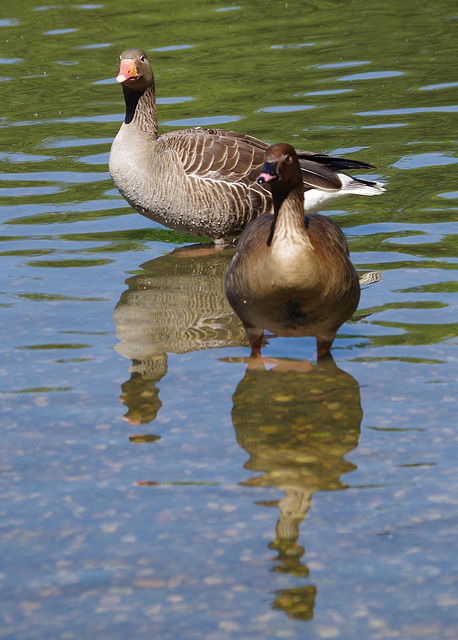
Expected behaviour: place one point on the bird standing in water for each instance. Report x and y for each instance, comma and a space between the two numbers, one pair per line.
203, 181
291, 273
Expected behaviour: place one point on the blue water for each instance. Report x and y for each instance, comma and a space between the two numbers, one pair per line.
153, 486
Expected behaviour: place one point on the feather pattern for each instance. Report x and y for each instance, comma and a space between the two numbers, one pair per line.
203, 181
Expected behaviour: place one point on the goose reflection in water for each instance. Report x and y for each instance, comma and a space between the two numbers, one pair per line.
297, 422
176, 305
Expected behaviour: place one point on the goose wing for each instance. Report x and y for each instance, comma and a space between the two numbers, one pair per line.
320, 170
215, 154
230, 157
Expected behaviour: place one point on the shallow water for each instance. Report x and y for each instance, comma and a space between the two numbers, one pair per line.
153, 485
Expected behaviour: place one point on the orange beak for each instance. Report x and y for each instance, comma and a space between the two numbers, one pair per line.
127, 71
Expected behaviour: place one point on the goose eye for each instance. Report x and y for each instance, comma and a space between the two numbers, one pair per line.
142, 58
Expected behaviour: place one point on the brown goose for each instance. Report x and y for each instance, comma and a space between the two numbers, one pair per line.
202, 181
291, 274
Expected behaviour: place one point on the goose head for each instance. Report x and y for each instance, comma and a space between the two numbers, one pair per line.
281, 169
135, 72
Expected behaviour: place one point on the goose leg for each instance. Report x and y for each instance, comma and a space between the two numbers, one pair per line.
323, 347
255, 335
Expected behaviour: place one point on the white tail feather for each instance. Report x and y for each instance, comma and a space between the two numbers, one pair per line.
316, 199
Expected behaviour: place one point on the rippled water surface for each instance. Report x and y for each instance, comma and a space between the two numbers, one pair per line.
154, 486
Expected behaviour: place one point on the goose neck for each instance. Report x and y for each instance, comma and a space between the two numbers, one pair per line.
289, 215
141, 109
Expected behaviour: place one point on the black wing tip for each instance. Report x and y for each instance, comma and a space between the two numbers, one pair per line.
336, 162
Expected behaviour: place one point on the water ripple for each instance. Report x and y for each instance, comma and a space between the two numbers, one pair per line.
409, 111
421, 160
370, 75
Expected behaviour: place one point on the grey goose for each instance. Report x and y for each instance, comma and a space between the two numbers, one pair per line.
203, 181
